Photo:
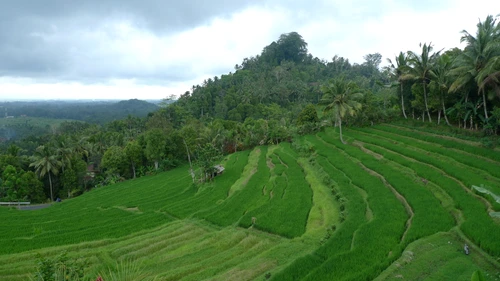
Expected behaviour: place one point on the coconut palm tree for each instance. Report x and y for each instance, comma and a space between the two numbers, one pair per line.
341, 97
45, 162
492, 78
441, 81
64, 151
480, 62
421, 66
400, 72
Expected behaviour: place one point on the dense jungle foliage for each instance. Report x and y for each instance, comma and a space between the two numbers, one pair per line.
269, 98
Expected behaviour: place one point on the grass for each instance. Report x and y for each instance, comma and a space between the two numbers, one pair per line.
477, 224
289, 188
439, 257
470, 170
391, 204
186, 249
325, 211
429, 216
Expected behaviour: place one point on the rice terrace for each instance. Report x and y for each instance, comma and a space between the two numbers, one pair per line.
394, 203
134, 147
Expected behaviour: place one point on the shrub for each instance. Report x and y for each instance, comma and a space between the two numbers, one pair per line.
59, 268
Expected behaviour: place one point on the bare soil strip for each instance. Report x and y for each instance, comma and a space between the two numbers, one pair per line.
367, 151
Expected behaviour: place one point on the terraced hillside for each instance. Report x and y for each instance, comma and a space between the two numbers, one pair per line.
395, 203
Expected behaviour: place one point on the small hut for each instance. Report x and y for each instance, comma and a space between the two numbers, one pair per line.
218, 170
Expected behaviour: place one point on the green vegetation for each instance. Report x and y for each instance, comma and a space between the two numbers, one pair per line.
296, 199
438, 257
478, 224
99, 112
21, 127
288, 188
313, 210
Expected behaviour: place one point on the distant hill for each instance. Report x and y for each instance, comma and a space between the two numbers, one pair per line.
99, 112
20, 127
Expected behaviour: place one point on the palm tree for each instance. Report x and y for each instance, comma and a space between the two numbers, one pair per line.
480, 62
82, 147
341, 96
64, 151
421, 66
492, 79
441, 81
399, 70
45, 162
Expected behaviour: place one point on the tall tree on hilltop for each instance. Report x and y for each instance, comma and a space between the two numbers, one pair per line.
290, 46
480, 60
341, 97
45, 162
421, 69
293, 47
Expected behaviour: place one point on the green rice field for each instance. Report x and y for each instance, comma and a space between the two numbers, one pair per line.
395, 203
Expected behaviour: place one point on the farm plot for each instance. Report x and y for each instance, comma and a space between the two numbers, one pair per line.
487, 166
477, 224
447, 142
108, 212
439, 257
250, 195
206, 196
187, 250
285, 212
369, 239
120, 224
429, 216
386, 206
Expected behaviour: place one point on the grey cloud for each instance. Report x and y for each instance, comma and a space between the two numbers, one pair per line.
155, 14
43, 38
30, 32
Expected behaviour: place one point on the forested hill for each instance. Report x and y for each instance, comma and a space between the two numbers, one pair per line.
271, 97
100, 112
283, 76
459, 86
273, 124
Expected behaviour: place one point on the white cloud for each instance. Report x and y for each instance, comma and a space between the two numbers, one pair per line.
119, 58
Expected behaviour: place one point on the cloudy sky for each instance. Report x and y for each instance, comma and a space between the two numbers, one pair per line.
151, 49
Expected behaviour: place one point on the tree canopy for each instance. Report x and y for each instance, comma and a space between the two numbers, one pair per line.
269, 98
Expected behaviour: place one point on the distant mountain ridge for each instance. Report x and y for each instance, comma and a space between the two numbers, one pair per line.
99, 112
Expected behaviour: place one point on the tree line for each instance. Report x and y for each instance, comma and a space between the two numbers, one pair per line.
268, 99
460, 85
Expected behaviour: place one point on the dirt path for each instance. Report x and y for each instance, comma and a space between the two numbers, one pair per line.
367, 151
34, 207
